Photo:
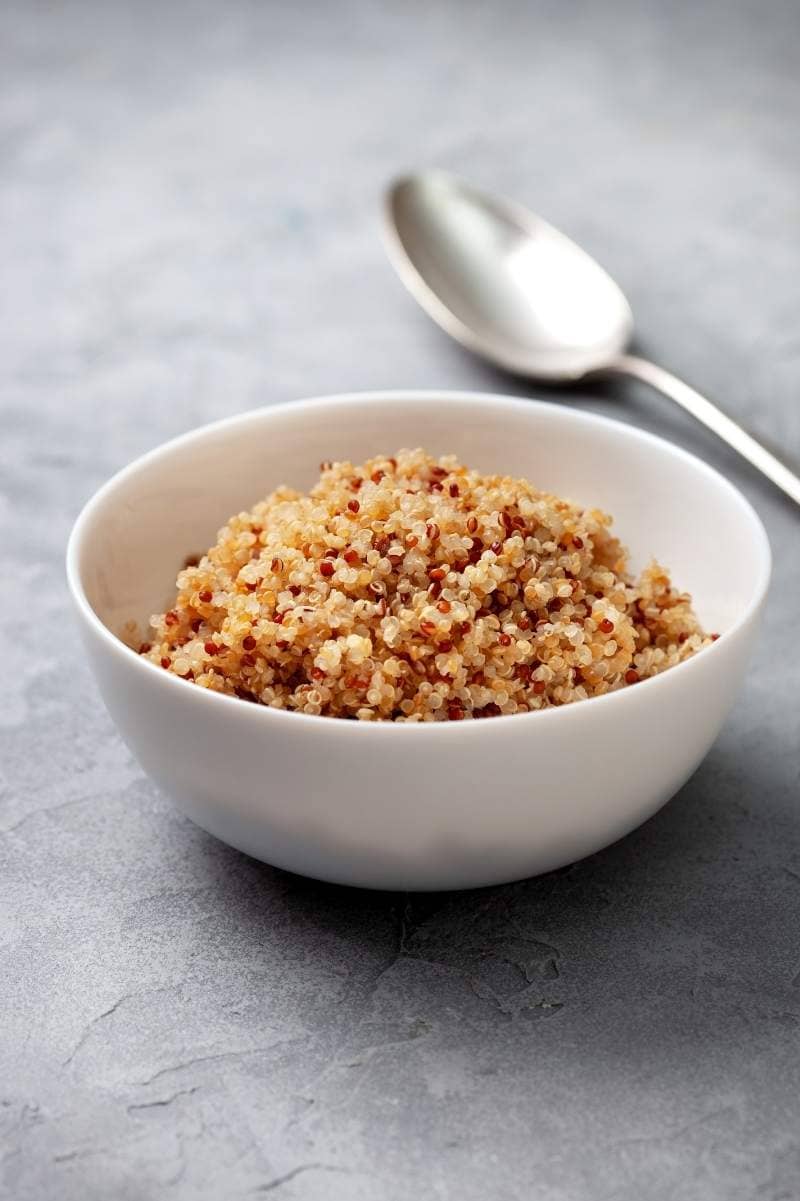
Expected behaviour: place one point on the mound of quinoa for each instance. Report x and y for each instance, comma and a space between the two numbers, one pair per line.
412, 588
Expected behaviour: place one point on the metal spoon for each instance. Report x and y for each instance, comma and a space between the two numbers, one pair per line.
510, 287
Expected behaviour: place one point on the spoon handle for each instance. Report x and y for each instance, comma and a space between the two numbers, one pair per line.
722, 425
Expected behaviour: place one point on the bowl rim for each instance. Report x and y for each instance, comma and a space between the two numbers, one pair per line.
479, 400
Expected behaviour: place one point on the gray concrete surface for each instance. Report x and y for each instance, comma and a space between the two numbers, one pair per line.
188, 227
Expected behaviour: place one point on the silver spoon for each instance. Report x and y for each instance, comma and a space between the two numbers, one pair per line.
511, 288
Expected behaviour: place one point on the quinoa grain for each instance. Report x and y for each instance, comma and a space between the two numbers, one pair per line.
409, 621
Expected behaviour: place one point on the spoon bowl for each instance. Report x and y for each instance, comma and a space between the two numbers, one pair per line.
502, 281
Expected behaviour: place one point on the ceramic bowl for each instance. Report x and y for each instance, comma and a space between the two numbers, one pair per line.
418, 806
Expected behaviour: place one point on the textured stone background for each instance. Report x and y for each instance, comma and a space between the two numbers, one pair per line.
189, 227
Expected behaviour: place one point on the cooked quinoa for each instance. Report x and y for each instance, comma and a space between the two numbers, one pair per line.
412, 588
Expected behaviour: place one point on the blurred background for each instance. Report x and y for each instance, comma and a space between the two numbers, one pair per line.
189, 227
190, 195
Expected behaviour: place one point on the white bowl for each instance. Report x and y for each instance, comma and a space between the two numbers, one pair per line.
418, 806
